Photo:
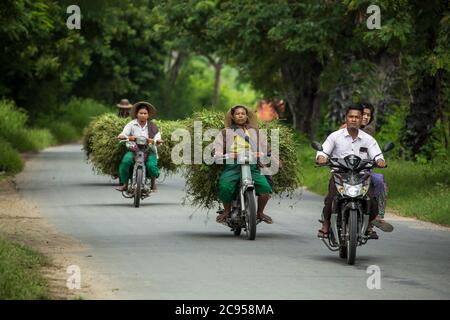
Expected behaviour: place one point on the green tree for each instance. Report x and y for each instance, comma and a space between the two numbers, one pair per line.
41, 59
127, 58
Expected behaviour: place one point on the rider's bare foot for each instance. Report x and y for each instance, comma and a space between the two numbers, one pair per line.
265, 218
153, 185
222, 217
371, 233
122, 188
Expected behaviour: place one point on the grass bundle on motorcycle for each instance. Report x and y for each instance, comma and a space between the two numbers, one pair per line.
166, 127
202, 180
101, 144
104, 151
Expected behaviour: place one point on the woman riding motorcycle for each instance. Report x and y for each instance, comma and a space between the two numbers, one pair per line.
240, 134
140, 126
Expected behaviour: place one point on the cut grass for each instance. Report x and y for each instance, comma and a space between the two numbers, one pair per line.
20, 276
415, 190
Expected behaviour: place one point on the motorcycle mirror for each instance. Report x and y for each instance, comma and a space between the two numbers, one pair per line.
316, 146
388, 146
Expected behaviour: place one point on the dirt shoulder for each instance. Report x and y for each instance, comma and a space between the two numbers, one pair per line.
20, 221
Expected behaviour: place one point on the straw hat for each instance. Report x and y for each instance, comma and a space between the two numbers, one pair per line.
124, 104
151, 109
251, 117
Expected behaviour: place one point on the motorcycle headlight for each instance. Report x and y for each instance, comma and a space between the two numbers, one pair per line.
353, 190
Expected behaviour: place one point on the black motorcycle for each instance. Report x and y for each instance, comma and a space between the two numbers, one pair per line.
350, 209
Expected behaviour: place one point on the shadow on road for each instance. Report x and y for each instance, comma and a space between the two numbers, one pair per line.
130, 204
242, 237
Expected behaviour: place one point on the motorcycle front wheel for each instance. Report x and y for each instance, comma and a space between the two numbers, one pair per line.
250, 205
138, 191
352, 240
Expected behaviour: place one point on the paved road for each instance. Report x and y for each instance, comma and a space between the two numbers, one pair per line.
164, 250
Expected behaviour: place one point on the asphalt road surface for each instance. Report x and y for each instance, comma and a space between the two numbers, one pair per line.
164, 250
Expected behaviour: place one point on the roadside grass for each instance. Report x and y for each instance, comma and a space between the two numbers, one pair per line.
17, 136
80, 112
72, 118
28, 139
63, 131
20, 273
10, 161
415, 190
20, 266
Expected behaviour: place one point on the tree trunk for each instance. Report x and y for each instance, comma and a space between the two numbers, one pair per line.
442, 116
176, 61
178, 58
217, 65
424, 111
301, 86
216, 93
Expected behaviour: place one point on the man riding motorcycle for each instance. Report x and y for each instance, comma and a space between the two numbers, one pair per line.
341, 143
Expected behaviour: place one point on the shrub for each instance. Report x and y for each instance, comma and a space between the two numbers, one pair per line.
10, 161
80, 112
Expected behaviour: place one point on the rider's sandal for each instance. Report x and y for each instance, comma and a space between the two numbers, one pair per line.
322, 235
372, 234
383, 225
266, 219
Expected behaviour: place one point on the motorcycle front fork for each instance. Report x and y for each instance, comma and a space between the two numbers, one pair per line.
338, 230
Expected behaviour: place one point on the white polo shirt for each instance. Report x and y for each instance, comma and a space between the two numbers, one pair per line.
340, 144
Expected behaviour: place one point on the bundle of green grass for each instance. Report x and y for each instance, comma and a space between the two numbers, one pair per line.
202, 180
105, 153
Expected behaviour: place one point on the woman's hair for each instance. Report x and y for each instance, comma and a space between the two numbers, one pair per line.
233, 110
142, 106
368, 105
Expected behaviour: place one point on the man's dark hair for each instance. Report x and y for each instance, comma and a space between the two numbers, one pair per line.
356, 106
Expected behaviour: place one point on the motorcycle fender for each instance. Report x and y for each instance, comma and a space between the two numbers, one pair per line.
245, 188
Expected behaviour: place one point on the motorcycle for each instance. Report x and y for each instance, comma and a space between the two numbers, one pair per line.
350, 216
243, 208
139, 186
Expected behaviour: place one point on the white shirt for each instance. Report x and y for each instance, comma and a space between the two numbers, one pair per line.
340, 144
133, 128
